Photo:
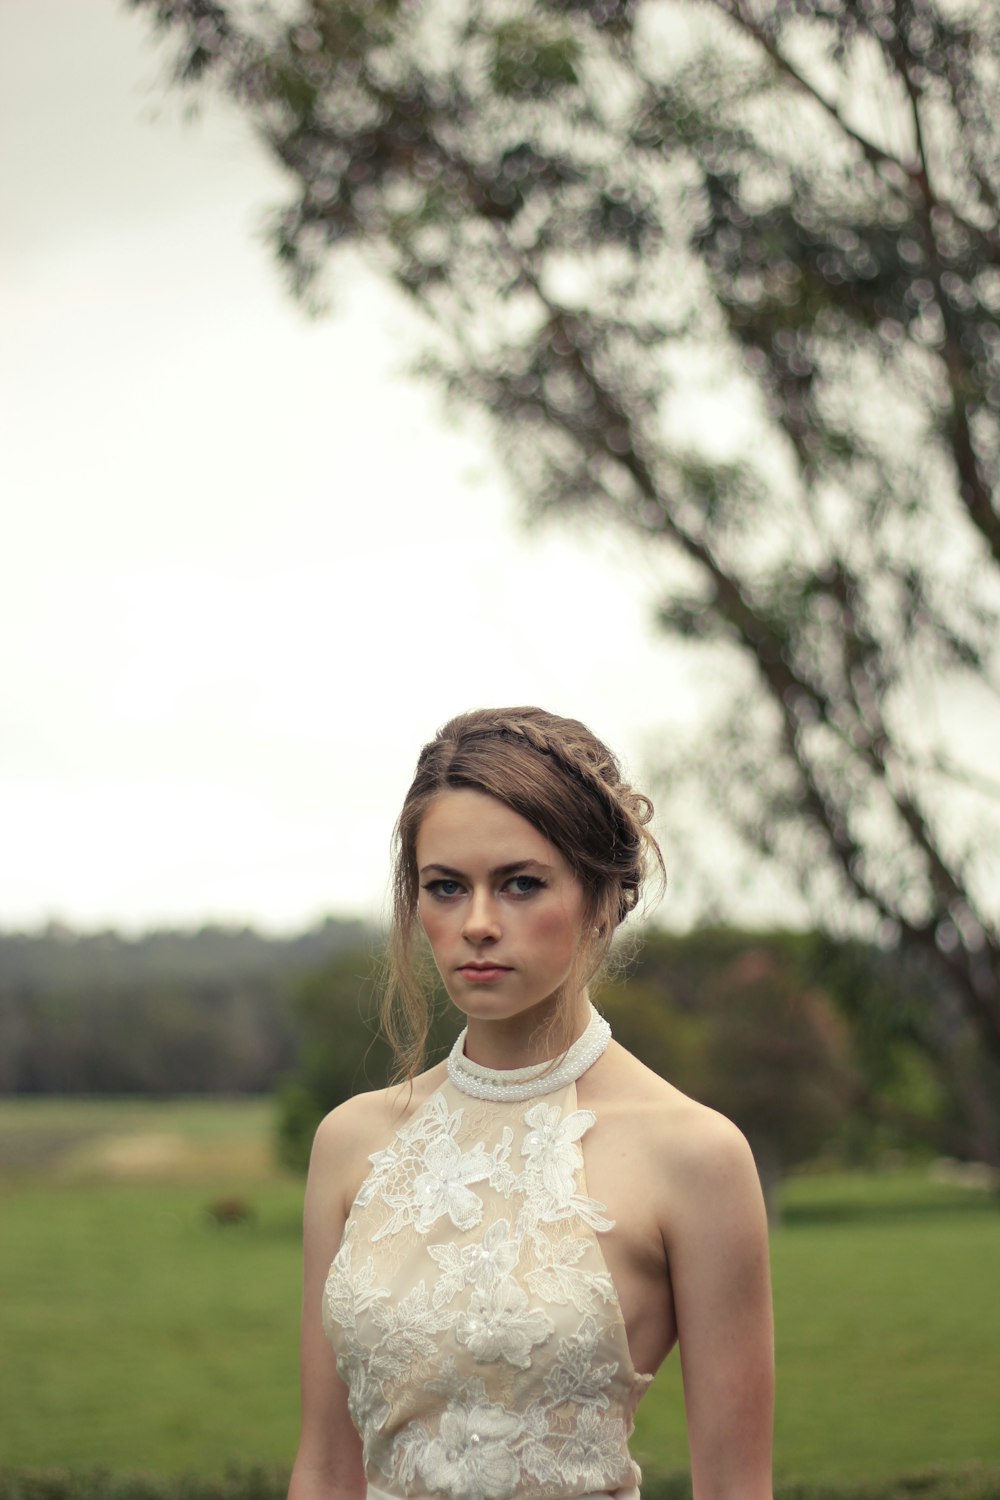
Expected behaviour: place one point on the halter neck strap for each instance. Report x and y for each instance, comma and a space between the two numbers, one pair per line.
517, 1084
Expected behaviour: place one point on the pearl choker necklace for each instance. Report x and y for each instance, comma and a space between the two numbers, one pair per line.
516, 1084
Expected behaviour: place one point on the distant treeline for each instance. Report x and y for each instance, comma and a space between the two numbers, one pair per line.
204, 1012
815, 1047
810, 1044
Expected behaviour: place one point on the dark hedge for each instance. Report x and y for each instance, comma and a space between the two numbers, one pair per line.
972, 1482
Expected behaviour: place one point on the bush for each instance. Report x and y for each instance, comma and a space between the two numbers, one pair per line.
973, 1482
256, 1483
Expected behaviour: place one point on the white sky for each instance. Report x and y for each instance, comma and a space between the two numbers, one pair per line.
247, 566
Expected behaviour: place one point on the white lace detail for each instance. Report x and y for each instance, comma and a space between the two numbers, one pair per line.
480, 1336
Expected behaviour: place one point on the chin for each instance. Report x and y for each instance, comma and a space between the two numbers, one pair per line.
484, 1003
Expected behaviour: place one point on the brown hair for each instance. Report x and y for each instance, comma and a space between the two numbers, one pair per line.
560, 777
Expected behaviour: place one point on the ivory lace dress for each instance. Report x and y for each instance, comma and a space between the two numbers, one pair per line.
470, 1307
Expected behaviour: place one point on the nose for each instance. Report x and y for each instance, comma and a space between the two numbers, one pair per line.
482, 919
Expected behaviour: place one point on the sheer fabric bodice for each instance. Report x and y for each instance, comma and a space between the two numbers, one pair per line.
472, 1314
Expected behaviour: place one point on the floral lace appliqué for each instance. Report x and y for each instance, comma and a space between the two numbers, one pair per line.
483, 1370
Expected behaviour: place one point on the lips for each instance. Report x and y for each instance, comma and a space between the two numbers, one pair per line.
483, 973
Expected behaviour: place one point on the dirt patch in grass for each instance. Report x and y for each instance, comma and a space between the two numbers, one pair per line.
131, 1141
163, 1157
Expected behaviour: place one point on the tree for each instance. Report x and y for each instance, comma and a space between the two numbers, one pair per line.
163, 1013
342, 1051
753, 1042
807, 1043
789, 212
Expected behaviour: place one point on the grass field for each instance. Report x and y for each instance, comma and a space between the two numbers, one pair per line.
138, 1335
887, 1331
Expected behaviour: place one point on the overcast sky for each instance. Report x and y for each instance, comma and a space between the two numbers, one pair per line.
248, 566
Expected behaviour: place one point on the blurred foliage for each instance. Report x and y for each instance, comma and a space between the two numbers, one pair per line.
165, 1013
726, 274
758, 1025
343, 1052
812, 1045
767, 1027
763, 1026
974, 1482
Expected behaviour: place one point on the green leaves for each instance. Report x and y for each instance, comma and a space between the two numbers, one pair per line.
531, 57
729, 276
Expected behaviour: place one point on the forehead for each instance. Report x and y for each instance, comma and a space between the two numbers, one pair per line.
463, 828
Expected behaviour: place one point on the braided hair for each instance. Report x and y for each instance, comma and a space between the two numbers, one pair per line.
562, 779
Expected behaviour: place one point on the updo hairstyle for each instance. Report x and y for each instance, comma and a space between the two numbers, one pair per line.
560, 777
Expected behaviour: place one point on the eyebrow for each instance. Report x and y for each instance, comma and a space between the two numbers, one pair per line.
498, 870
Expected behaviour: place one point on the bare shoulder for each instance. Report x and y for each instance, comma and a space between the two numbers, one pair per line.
626, 1086
355, 1122
363, 1124
696, 1156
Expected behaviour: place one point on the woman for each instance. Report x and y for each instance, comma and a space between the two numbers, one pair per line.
507, 1250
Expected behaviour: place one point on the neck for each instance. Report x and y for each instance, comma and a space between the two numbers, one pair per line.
525, 1040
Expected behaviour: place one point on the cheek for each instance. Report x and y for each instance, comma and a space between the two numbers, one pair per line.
432, 921
558, 928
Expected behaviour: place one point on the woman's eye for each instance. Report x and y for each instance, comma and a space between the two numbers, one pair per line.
525, 885
443, 888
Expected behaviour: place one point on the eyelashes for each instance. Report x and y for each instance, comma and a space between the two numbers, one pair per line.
521, 887
436, 888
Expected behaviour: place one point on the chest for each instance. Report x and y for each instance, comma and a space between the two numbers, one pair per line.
512, 1222
470, 1302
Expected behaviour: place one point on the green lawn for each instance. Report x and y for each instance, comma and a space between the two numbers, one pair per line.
887, 1325
138, 1335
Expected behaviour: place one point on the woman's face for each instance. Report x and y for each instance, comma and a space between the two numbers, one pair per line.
501, 908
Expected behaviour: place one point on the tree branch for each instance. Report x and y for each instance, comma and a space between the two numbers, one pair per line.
877, 156
973, 486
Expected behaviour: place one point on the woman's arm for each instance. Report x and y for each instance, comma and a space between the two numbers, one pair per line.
328, 1463
717, 1247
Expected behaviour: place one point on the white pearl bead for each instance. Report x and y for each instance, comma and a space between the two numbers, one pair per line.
517, 1084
